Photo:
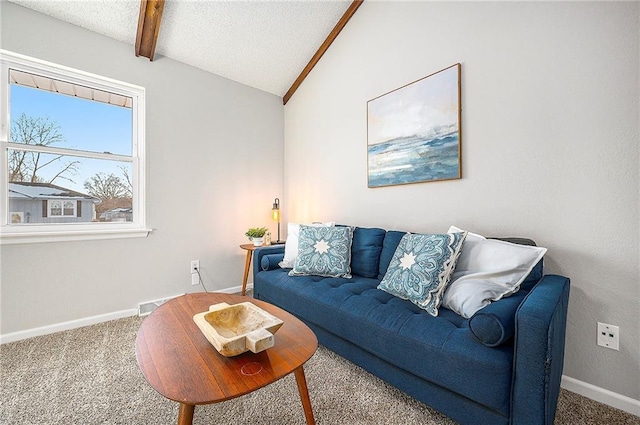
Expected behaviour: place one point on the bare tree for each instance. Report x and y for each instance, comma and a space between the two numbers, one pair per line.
113, 191
107, 187
127, 180
26, 166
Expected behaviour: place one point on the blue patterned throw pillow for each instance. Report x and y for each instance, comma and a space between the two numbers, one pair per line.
421, 268
323, 251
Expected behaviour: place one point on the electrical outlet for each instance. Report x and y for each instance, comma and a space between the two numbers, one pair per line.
195, 275
195, 266
609, 336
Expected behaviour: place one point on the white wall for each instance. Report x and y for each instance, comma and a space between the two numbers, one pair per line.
204, 133
550, 139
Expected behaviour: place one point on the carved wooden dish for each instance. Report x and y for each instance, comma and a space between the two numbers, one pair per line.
234, 329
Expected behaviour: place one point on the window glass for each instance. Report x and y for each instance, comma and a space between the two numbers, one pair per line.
55, 208
105, 188
69, 208
72, 122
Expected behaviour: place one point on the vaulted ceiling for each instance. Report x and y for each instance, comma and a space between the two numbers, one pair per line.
261, 43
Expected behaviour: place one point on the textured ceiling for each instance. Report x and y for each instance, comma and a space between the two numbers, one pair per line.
261, 43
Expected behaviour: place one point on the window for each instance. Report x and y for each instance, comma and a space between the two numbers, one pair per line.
61, 208
72, 154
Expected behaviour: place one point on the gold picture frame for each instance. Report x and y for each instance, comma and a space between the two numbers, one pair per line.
413, 132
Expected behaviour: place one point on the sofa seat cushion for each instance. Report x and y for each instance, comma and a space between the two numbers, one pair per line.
439, 349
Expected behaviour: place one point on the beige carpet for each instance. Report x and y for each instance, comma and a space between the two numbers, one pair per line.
90, 376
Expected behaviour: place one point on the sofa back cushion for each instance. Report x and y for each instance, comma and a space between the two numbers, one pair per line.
391, 241
365, 251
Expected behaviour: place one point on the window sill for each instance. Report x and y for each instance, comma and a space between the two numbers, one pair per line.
13, 237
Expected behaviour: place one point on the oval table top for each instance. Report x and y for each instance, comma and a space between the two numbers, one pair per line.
178, 361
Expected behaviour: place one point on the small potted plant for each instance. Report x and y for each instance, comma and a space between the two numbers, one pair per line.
255, 235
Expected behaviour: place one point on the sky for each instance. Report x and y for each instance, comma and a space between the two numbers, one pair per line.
85, 124
418, 109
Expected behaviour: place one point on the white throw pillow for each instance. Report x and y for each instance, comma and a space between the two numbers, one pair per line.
487, 270
291, 245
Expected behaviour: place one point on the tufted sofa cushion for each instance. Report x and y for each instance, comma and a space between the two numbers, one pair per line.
438, 349
493, 326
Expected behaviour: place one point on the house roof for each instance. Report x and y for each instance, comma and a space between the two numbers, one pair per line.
45, 191
263, 44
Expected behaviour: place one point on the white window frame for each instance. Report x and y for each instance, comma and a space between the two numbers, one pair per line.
28, 233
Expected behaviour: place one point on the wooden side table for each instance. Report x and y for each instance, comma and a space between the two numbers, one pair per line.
249, 247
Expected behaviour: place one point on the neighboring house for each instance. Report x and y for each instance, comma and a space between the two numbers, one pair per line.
48, 203
117, 214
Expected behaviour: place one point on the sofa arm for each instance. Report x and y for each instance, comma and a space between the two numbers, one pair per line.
263, 251
541, 323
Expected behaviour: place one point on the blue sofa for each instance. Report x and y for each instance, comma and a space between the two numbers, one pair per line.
501, 366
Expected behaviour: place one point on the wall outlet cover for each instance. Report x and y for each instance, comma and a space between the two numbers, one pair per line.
608, 336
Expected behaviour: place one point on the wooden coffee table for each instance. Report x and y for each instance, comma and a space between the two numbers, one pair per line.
178, 361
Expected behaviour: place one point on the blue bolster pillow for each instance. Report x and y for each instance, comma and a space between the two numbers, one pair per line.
270, 261
495, 324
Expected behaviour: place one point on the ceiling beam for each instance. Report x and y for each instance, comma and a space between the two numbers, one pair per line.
148, 27
323, 48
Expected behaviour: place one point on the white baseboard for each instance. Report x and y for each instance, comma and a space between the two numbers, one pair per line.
601, 395
87, 321
64, 326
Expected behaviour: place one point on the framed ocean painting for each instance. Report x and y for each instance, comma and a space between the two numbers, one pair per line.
413, 133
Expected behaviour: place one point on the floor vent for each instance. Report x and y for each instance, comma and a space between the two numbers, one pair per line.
145, 308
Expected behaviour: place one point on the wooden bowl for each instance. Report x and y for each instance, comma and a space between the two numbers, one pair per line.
235, 329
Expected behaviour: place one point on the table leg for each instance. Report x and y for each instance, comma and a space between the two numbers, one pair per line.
304, 395
247, 264
185, 415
